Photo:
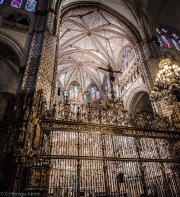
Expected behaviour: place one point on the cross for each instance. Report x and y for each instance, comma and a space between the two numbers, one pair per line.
111, 77
111, 72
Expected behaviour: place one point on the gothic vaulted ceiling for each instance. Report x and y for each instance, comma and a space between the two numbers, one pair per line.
92, 38
89, 39
143, 14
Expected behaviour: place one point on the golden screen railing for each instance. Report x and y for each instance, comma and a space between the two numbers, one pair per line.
87, 152
93, 160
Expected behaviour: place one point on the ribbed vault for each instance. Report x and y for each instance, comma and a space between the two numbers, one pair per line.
90, 38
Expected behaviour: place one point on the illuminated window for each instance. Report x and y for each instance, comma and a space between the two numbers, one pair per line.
176, 44
94, 93
160, 42
74, 92
158, 31
57, 89
97, 95
1, 1
175, 36
164, 35
30, 5
16, 3
166, 42
164, 30
126, 59
107, 87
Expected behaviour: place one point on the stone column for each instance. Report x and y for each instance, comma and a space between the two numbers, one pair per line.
30, 75
40, 69
150, 58
46, 70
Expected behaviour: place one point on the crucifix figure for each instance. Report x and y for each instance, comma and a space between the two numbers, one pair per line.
111, 72
111, 77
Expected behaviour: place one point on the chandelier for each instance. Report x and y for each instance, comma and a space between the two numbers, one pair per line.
167, 82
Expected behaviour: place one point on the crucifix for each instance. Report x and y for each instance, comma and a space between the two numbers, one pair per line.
111, 77
111, 72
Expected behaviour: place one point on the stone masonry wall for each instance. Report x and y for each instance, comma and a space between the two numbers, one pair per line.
34, 54
40, 70
47, 62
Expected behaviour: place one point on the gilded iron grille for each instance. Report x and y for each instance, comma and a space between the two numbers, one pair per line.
95, 163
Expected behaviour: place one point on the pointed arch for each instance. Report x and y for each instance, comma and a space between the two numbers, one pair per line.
16, 46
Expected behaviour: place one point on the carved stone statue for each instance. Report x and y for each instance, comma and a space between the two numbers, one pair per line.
22, 134
37, 134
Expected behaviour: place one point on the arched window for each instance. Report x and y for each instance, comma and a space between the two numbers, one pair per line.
74, 92
94, 93
126, 58
107, 87
164, 35
29, 6
58, 90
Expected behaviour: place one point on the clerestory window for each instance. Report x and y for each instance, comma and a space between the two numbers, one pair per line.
28, 5
167, 38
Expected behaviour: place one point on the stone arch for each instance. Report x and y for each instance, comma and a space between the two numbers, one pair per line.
71, 83
16, 46
133, 93
125, 47
139, 100
10, 63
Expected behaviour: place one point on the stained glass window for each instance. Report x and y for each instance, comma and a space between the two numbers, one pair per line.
107, 87
166, 42
164, 30
160, 42
16, 3
75, 92
94, 93
163, 37
127, 57
158, 31
97, 95
30, 5
1, 1
176, 44
175, 36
